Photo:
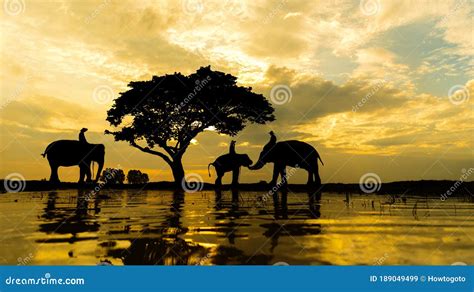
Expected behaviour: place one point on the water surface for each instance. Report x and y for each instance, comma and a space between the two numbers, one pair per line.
130, 227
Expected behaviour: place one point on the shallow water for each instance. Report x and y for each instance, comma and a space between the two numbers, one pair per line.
165, 228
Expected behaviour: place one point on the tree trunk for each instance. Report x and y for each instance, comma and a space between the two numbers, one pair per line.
178, 171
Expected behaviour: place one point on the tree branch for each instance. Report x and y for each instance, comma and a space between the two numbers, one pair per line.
148, 150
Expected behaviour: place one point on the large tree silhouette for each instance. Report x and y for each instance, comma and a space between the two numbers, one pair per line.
162, 115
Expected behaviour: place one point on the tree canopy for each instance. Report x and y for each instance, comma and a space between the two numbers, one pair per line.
168, 111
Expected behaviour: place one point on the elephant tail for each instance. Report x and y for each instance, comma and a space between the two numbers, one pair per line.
208, 170
319, 157
47, 149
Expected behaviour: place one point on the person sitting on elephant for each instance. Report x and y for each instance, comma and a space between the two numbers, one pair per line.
232, 147
229, 162
272, 142
82, 136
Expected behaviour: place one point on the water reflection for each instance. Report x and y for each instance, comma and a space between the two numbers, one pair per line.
71, 221
230, 227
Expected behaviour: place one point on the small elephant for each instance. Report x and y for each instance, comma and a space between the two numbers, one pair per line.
229, 162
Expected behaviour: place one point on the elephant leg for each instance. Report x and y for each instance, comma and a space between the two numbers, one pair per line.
284, 178
310, 177
82, 173
220, 174
235, 176
54, 172
87, 169
317, 178
276, 171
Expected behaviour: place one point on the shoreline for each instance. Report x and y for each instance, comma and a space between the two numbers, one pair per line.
422, 187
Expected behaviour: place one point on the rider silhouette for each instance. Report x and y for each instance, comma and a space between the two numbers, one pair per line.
273, 138
232, 147
82, 137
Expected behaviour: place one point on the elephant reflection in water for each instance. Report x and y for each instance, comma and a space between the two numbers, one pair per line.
234, 212
63, 221
163, 246
275, 230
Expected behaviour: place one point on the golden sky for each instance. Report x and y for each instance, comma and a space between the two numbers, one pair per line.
376, 86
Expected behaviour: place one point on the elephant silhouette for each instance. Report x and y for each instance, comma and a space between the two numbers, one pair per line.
229, 162
289, 153
72, 152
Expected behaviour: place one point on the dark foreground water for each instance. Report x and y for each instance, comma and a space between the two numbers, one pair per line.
204, 228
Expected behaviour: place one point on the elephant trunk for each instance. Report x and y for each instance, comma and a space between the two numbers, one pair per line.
258, 165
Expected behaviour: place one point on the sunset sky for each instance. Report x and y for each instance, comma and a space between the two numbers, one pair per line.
385, 87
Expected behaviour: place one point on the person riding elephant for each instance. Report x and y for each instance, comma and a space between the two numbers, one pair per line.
82, 136
229, 162
73, 152
232, 147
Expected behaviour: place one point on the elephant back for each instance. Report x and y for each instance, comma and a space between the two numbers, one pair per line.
68, 152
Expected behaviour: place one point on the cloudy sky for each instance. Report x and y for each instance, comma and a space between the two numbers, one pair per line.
383, 87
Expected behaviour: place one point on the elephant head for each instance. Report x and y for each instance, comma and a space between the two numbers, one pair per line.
97, 154
245, 160
264, 157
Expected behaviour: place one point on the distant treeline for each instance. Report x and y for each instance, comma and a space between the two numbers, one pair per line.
444, 188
